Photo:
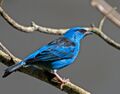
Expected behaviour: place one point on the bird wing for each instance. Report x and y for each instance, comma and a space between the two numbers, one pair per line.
59, 49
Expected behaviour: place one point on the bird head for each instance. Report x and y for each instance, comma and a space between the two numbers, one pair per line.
77, 33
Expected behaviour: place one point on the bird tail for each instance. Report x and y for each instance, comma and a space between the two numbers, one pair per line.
13, 68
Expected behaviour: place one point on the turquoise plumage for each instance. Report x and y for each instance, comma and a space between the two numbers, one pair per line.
55, 55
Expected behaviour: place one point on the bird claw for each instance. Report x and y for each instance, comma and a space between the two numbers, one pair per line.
63, 81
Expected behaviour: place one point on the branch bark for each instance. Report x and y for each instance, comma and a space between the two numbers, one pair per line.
100, 33
107, 39
28, 29
68, 87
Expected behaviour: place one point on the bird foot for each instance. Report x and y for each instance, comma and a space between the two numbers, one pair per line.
63, 81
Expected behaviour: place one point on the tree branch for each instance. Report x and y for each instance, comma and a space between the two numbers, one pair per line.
6, 50
68, 87
100, 33
105, 8
35, 27
107, 39
27, 29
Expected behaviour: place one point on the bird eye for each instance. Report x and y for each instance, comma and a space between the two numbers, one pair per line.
82, 30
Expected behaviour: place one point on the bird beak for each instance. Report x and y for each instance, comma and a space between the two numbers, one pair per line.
88, 31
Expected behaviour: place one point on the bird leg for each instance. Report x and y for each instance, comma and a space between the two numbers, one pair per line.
63, 81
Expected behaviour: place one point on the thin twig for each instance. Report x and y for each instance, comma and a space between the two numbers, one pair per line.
107, 39
100, 33
103, 19
28, 29
102, 23
6, 50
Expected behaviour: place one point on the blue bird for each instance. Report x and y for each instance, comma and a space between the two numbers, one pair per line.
55, 55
